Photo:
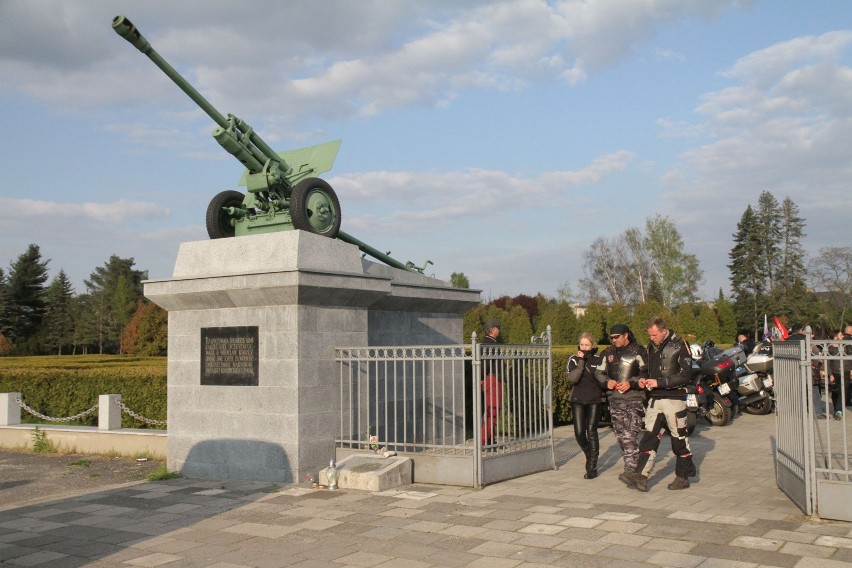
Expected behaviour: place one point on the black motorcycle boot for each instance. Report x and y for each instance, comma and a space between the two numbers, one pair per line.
592, 459
628, 477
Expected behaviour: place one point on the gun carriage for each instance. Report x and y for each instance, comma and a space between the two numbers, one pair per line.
283, 191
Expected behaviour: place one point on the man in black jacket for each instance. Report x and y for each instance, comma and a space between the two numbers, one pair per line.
621, 366
669, 370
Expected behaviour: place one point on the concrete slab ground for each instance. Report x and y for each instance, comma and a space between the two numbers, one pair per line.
733, 516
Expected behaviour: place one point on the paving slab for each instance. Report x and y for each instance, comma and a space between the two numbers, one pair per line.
733, 516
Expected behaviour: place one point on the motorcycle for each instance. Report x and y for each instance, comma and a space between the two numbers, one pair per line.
696, 393
759, 365
717, 372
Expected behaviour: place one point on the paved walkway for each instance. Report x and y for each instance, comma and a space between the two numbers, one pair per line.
733, 516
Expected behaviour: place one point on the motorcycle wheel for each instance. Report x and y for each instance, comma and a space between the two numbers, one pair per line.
719, 414
760, 407
691, 421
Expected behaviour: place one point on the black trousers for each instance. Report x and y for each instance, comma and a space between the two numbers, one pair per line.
586, 418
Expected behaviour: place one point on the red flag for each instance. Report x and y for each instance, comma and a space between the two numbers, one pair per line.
782, 331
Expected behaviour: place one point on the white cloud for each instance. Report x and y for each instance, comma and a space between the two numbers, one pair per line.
311, 59
114, 212
421, 202
783, 126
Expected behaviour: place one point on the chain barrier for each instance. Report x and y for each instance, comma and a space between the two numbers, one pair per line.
138, 417
76, 417
51, 418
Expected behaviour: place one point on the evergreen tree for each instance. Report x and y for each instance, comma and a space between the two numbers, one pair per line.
86, 330
642, 313
727, 319
685, 323
115, 288
747, 276
472, 322
3, 292
516, 326
706, 325
594, 321
768, 231
59, 315
617, 313
23, 309
790, 295
559, 315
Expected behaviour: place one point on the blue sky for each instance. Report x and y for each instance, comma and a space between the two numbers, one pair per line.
498, 139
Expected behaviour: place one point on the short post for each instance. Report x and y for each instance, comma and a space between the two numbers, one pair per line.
10, 409
109, 413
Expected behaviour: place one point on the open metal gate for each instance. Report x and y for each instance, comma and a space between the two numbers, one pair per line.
467, 415
813, 432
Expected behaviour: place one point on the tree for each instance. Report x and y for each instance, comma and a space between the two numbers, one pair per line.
707, 325
727, 319
792, 269
685, 322
559, 315
831, 272
768, 231
637, 266
604, 265
59, 315
767, 268
24, 305
115, 288
594, 321
642, 313
747, 276
147, 333
459, 280
676, 274
516, 326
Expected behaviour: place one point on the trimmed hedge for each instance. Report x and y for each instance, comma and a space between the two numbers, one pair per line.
60, 386
66, 385
561, 387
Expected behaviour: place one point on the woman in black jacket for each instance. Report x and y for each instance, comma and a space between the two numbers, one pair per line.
586, 400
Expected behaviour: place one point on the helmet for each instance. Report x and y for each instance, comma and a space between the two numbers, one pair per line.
696, 351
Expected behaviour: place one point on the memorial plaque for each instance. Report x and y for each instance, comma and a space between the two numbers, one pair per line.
229, 356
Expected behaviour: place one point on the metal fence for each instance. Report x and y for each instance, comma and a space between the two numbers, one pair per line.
467, 414
813, 430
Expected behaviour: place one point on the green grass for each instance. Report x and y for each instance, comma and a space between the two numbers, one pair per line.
41, 445
81, 463
161, 473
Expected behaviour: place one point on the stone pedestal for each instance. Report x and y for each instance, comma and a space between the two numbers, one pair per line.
287, 300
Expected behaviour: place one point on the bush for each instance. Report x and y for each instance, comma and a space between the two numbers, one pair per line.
60, 386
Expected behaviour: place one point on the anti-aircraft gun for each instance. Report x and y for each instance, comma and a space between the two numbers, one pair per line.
282, 190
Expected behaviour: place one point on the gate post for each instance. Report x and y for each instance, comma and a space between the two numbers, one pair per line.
476, 372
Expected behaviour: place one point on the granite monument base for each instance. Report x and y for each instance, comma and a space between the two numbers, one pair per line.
253, 388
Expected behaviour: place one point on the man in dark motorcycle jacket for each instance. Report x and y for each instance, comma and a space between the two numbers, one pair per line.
669, 370
621, 366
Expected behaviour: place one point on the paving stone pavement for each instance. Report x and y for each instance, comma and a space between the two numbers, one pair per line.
733, 516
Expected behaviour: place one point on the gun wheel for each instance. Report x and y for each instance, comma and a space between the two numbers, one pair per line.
314, 207
218, 221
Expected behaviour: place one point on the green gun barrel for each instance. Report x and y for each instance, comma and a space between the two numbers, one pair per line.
280, 196
260, 152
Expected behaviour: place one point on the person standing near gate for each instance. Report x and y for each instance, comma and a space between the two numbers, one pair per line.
586, 401
621, 366
491, 386
669, 369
